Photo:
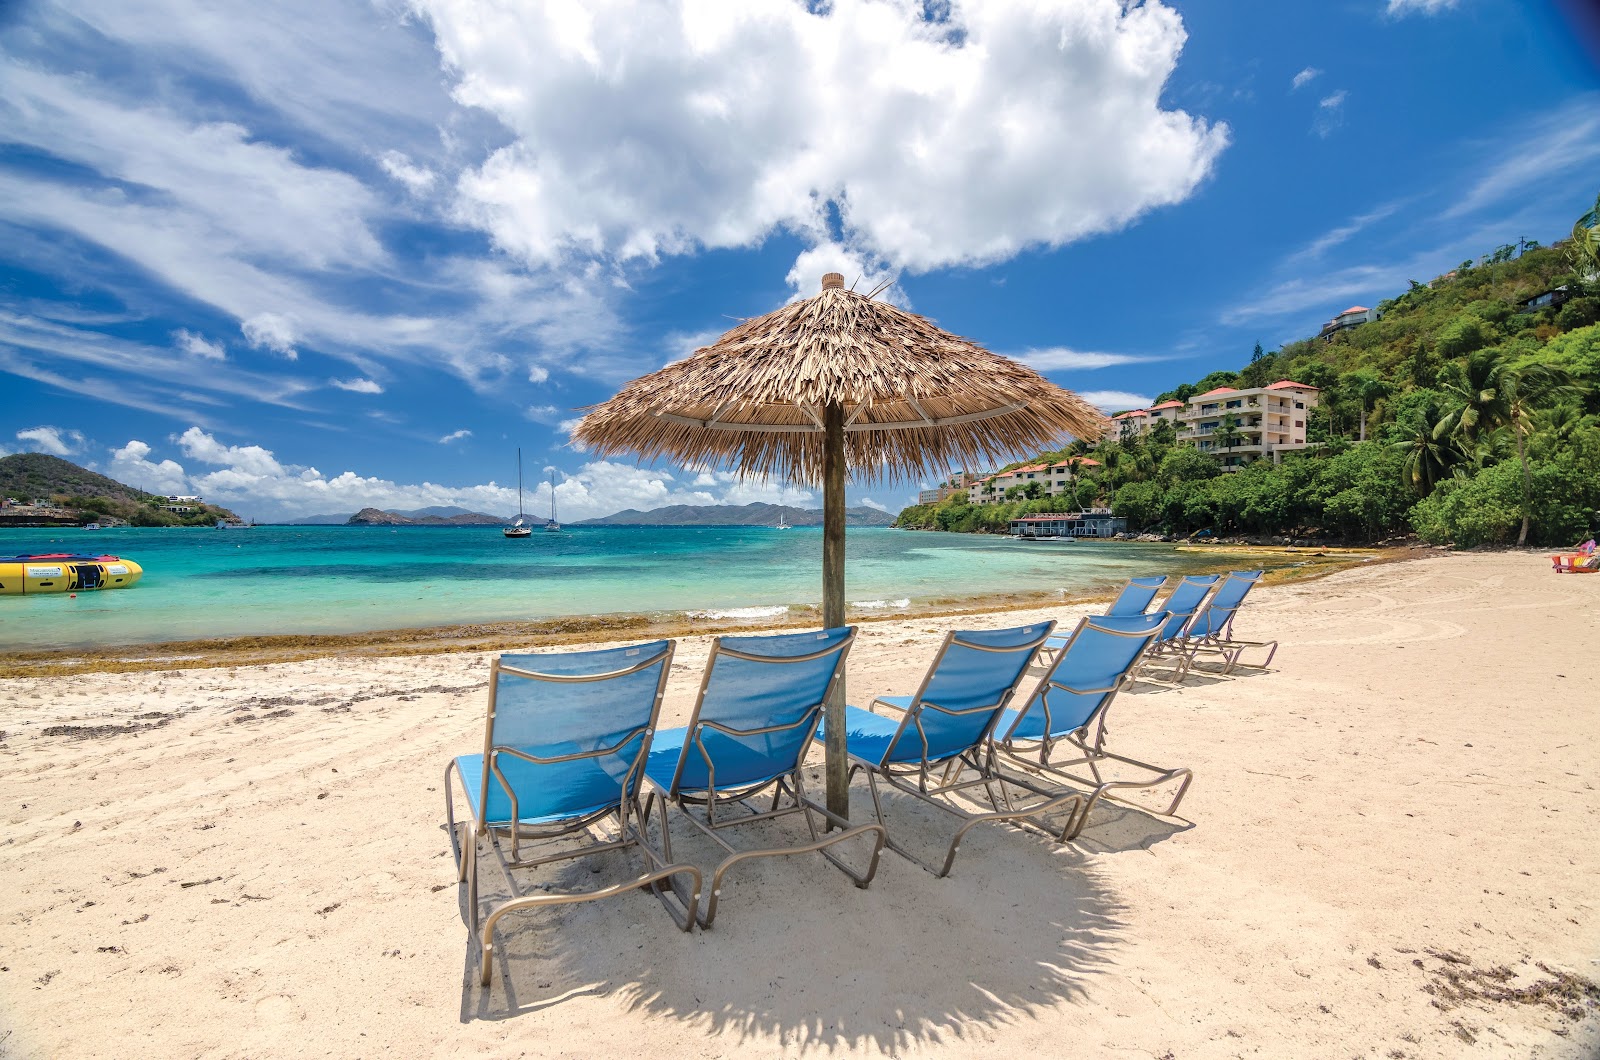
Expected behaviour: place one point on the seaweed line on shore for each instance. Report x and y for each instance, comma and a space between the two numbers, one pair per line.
507, 636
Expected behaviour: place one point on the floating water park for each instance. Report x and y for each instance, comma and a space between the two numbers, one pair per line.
60, 572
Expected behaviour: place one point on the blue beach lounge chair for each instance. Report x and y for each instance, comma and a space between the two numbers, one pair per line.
1180, 607
939, 746
1211, 630
564, 749
1070, 704
759, 704
1134, 599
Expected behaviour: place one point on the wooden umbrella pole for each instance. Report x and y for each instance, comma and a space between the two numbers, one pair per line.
833, 599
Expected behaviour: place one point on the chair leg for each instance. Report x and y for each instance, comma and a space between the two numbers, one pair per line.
536, 901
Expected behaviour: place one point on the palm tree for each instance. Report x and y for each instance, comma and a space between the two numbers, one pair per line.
1430, 451
1228, 432
1494, 394
1584, 250
1367, 387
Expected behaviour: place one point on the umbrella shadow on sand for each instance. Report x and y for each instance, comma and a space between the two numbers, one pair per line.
801, 960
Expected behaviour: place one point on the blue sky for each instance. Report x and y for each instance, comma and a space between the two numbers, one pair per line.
309, 256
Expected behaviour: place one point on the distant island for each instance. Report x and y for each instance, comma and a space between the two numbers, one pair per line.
735, 515
423, 517
43, 490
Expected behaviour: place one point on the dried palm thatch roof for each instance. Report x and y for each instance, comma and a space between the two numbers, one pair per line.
914, 397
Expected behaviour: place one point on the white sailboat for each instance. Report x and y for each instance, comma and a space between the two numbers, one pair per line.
552, 527
520, 527
783, 523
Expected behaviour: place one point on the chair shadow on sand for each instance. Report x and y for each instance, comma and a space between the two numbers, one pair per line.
800, 958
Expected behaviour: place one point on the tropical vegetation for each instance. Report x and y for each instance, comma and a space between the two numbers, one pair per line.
1467, 414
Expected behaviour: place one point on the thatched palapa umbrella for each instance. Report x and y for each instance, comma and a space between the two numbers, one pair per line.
833, 384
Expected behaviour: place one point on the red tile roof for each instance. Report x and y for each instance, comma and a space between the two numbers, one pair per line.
1214, 393
1290, 384
1077, 460
1354, 309
1134, 412
1167, 405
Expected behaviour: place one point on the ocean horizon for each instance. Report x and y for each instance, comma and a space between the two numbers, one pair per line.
279, 579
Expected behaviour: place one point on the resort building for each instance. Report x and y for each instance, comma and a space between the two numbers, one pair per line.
1355, 316
1267, 422
960, 482
1551, 299
1091, 522
1053, 479
1137, 422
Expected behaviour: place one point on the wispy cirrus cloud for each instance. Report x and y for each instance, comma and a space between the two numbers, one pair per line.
1111, 400
1342, 233
1330, 113
1063, 359
1402, 8
1305, 77
1563, 141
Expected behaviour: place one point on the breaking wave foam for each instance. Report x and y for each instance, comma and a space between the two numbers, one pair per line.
742, 612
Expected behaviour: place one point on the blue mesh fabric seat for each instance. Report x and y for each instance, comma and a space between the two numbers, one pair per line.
1134, 599
1073, 698
937, 747
1211, 630
1180, 607
565, 744
759, 704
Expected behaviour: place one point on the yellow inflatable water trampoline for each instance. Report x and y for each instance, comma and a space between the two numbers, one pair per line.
60, 572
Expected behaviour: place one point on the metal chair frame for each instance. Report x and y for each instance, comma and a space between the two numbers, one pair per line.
1093, 750
790, 784
917, 778
632, 820
1219, 640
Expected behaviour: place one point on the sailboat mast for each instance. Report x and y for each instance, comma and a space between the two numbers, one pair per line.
519, 482
552, 496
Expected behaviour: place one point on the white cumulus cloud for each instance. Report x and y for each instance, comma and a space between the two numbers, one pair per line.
642, 131
455, 436
1306, 76
132, 464
870, 503
538, 373
52, 440
271, 331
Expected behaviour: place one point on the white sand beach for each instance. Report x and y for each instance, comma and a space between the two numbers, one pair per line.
1404, 804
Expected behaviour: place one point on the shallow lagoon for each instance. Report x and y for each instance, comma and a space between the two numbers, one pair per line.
337, 579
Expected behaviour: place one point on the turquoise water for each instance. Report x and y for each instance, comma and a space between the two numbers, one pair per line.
337, 579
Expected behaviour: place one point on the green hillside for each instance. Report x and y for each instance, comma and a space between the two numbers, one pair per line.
27, 477
1463, 415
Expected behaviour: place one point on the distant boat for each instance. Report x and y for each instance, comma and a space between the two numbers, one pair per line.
91, 526
552, 527
233, 524
782, 523
520, 527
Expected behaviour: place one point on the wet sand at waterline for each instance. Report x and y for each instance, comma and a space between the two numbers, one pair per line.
250, 861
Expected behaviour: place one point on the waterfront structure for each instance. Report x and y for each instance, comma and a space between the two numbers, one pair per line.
1091, 522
